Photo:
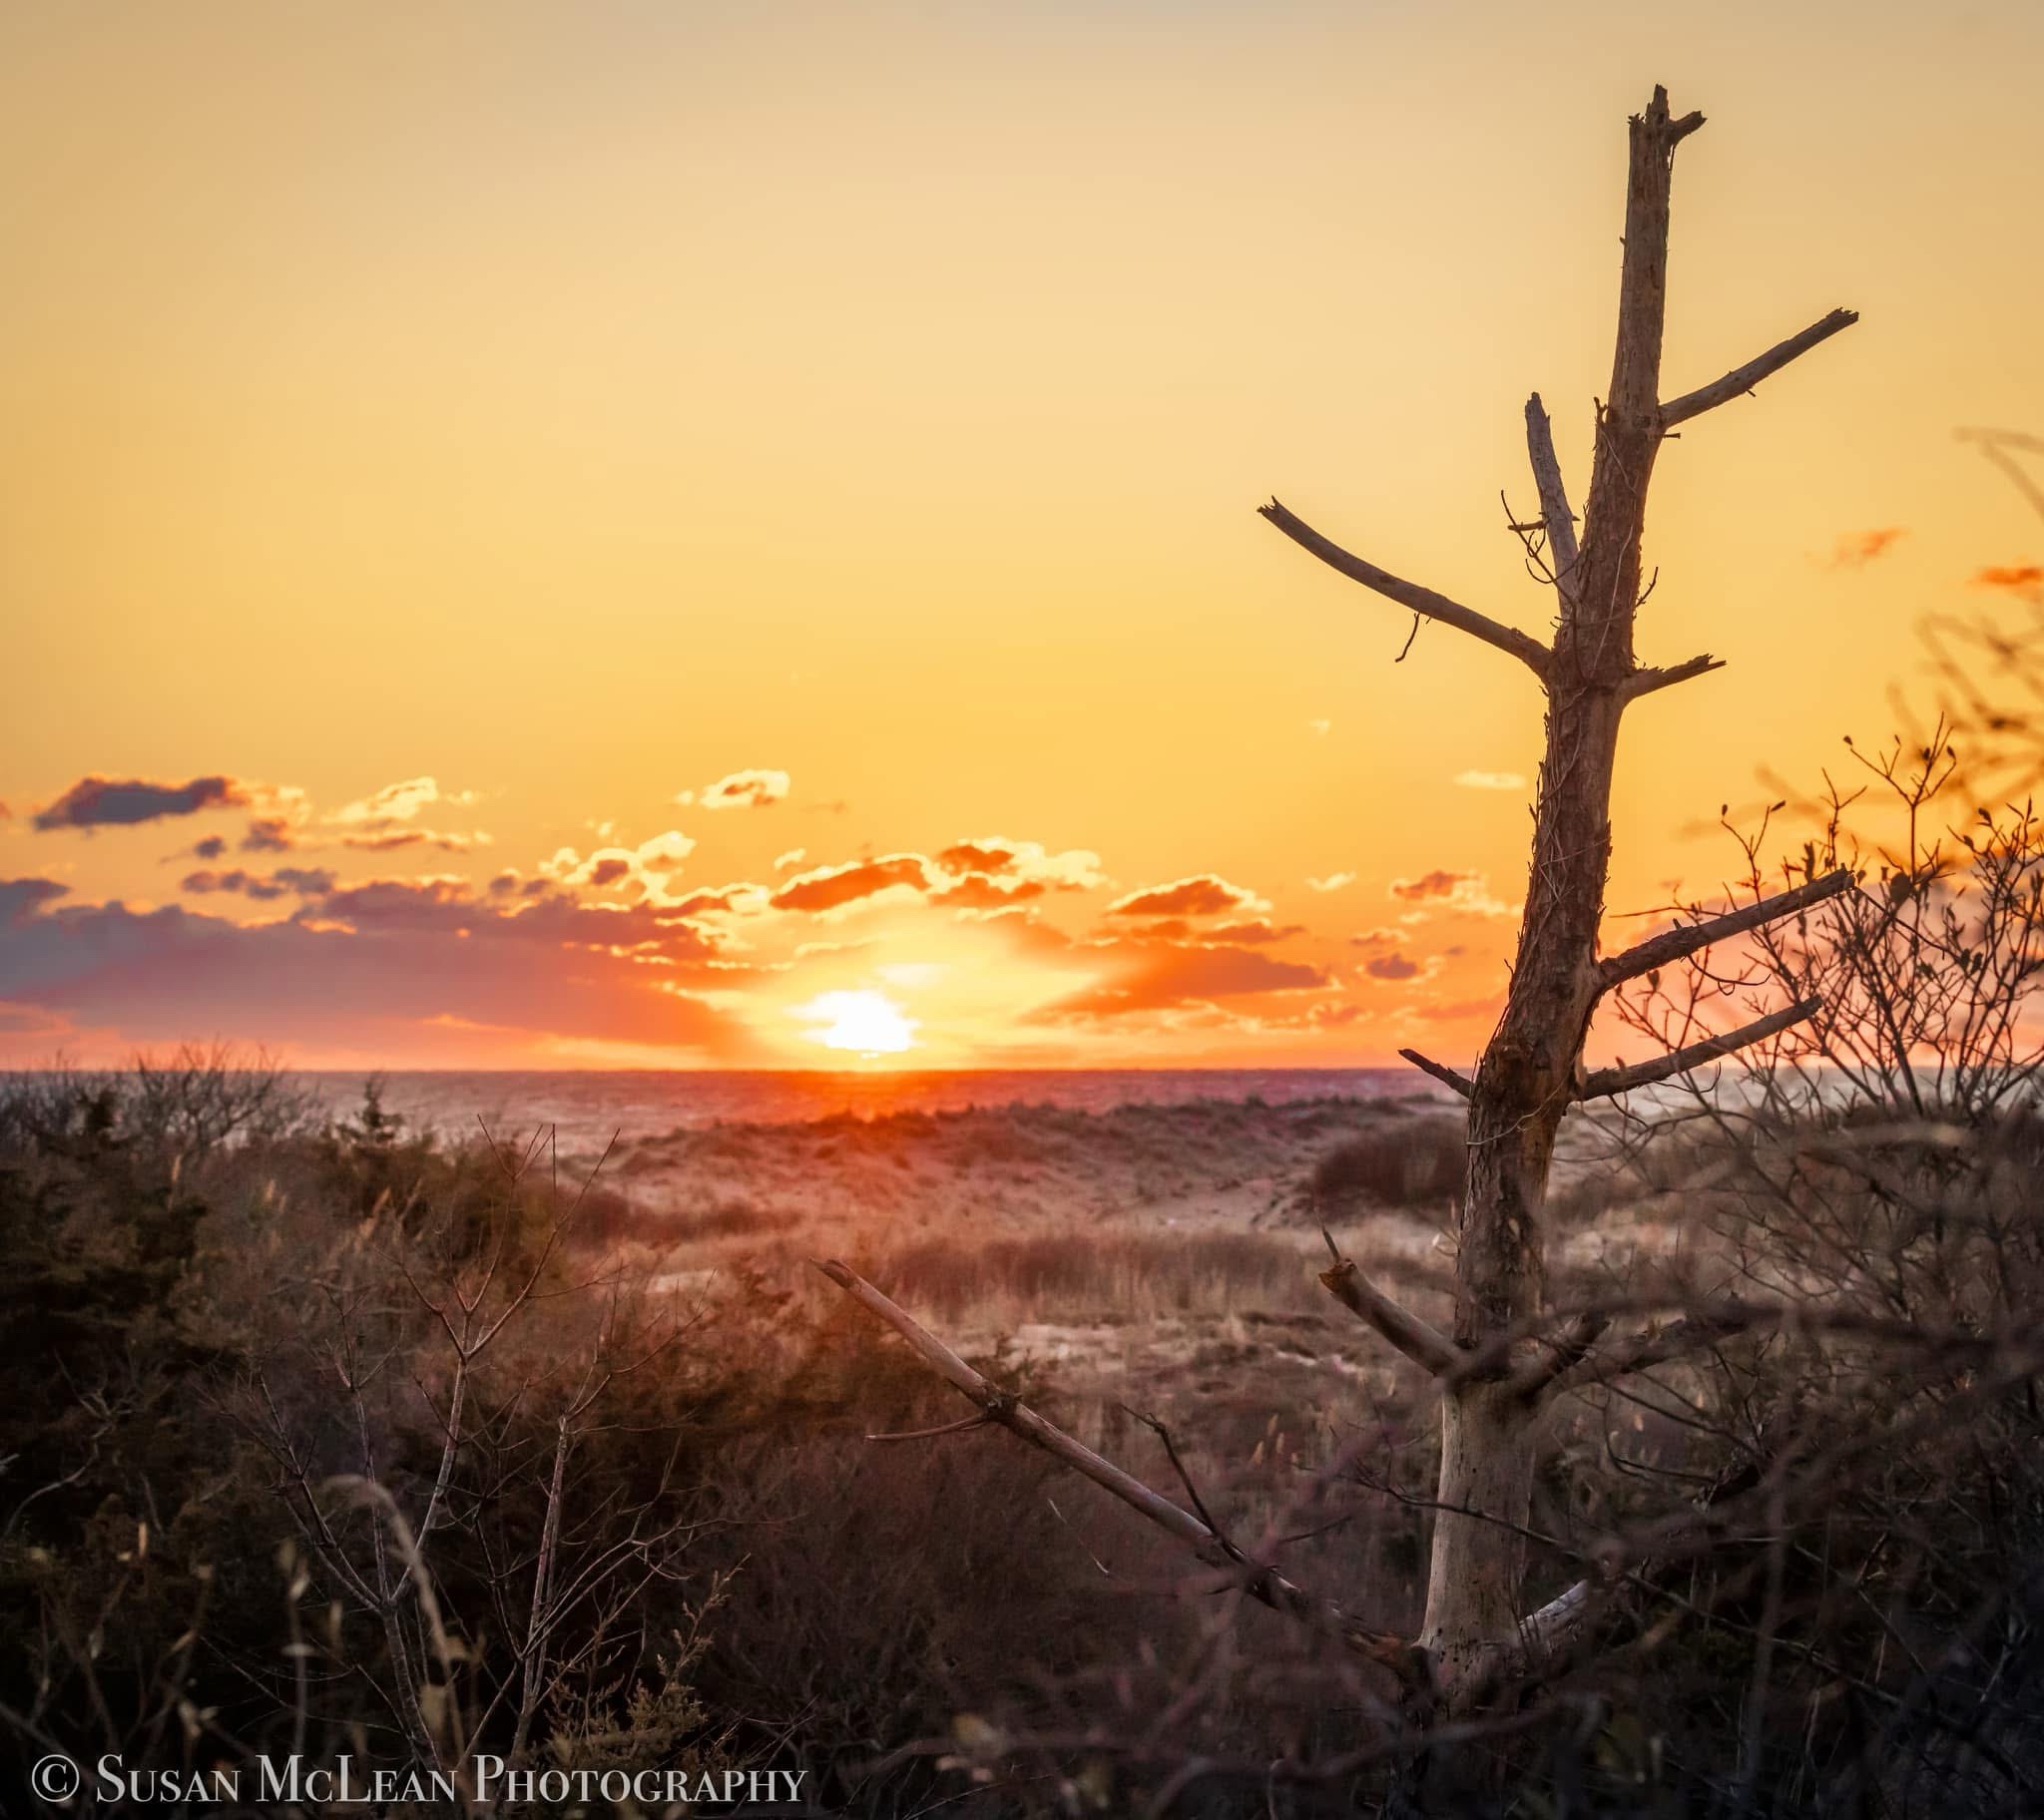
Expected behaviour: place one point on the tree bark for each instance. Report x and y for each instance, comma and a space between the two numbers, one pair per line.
1531, 1068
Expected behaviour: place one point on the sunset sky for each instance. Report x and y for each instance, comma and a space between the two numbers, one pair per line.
669, 534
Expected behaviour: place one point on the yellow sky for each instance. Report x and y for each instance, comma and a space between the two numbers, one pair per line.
577, 406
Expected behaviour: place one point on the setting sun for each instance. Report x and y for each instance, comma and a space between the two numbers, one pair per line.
870, 1023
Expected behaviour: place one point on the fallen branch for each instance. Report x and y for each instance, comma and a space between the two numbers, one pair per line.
1608, 1081
1744, 378
1678, 944
1423, 600
1261, 1580
1425, 1346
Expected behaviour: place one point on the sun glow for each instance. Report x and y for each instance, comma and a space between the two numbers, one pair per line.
868, 1023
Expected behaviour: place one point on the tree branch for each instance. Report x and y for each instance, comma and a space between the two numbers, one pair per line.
1744, 379
1260, 1582
1645, 681
1565, 1351
1423, 1345
1678, 944
1441, 1071
1554, 498
1608, 1081
1423, 600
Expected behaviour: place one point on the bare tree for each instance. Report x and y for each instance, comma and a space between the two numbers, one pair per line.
1510, 1350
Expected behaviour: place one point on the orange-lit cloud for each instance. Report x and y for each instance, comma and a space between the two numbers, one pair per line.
740, 790
833, 887
1467, 892
2009, 575
1204, 895
1855, 549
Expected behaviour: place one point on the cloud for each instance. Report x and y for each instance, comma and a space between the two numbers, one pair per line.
369, 967
648, 870
792, 857
1332, 882
1391, 967
1490, 780
391, 840
1996, 575
1376, 938
1855, 549
1206, 894
992, 871
1452, 1010
264, 834
102, 802
286, 881
833, 887
1257, 930
21, 898
385, 821
399, 803
1156, 977
740, 790
1463, 891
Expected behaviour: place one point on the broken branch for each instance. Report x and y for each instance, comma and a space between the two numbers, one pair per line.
1423, 1345
1554, 498
1529, 650
1646, 681
1608, 1081
1744, 379
1678, 944
1441, 1071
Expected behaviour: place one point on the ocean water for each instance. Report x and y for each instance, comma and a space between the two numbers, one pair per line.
588, 1107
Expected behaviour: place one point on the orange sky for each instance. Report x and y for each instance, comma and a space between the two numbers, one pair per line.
439, 445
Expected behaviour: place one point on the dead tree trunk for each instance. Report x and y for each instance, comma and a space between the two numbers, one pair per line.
1509, 1350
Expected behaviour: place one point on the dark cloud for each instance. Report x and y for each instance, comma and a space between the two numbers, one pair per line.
106, 802
286, 881
831, 887
1204, 895
1390, 967
264, 834
370, 967
450, 906
21, 898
